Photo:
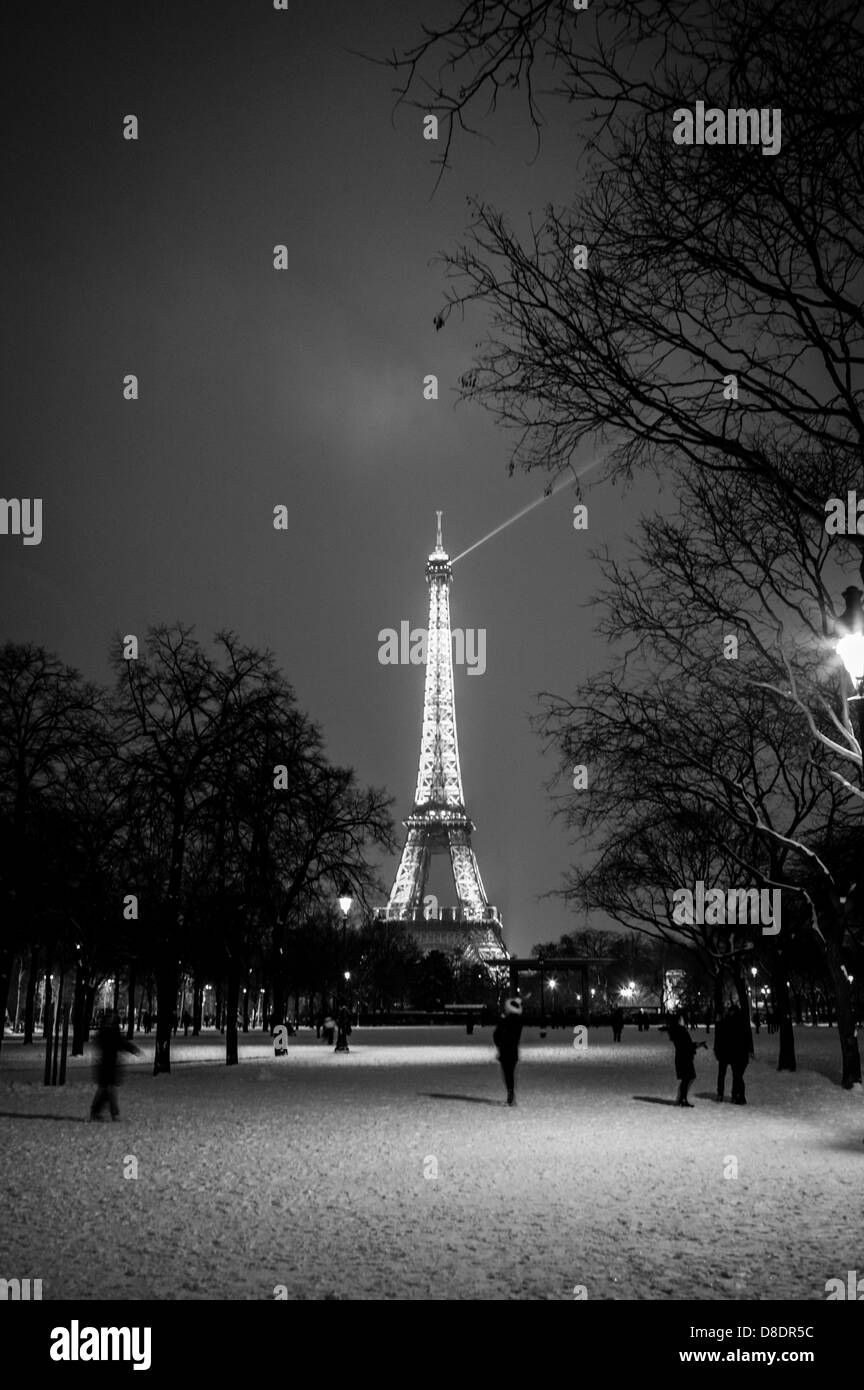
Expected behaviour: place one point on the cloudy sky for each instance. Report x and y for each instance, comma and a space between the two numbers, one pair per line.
300, 387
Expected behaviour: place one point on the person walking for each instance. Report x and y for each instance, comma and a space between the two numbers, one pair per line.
109, 1042
617, 1024
685, 1051
506, 1037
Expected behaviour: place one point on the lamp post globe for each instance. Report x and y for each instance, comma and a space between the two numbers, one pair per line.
850, 640
346, 898
850, 649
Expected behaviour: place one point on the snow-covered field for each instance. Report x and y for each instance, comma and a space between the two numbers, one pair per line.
396, 1172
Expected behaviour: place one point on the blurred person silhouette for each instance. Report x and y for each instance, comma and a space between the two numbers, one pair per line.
506, 1037
109, 1042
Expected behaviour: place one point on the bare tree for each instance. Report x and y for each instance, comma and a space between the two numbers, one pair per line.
703, 263
46, 721
702, 762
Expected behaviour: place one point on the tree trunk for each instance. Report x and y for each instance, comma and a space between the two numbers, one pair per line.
232, 1004
845, 1016
277, 1012
219, 1021
30, 1002
166, 996
78, 1034
130, 1022
5, 980
89, 1001
786, 1060
197, 1005
744, 1001
46, 1012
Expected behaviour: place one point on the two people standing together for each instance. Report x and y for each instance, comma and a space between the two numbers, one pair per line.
733, 1048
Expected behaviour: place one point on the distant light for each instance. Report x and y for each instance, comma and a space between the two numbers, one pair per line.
347, 974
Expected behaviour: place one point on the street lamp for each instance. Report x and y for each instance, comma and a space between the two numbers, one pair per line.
850, 649
553, 985
850, 645
754, 972
345, 901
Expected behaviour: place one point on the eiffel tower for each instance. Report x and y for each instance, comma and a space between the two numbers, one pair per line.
439, 821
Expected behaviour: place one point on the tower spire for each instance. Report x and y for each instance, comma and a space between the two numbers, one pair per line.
439, 553
439, 821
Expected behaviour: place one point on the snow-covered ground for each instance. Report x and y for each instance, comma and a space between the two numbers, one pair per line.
396, 1172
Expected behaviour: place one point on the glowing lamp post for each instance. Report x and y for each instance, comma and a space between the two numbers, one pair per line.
345, 901
850, 649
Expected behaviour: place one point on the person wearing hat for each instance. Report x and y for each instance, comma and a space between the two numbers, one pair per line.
506, 1038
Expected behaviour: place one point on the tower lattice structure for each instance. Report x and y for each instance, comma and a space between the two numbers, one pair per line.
439, 821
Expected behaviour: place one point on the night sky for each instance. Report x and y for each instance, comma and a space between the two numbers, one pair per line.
300, 387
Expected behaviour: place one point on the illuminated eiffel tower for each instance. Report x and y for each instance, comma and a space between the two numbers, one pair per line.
439, 821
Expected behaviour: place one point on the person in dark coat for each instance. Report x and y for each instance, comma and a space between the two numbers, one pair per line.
506, 1037
685, 1051
733, 1047
617, 1024
109, 1042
